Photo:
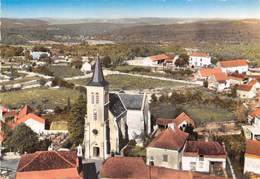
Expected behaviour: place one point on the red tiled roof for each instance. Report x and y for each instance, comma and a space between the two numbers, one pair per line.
184, 117
2, 137
255, 112
204, 148
124, 167
199, 54
160, 57
30, 116
248, 86
163, 121
25, 110
135, 168
244, 87
233, 63
170, 139
221, 77
47, 160
253, 147
206, 72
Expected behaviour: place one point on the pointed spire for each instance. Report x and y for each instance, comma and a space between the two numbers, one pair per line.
98, 77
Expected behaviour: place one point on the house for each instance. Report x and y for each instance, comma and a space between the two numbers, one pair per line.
247, 91
49, 165
160, 59
233, 66
203, 156
252, 131
165, 150
138, 114
105, 124
135, 168
236, 79
181, 121
218, 82
252, 157
37, 54
26, 116
199, 59
86, 67
205, 73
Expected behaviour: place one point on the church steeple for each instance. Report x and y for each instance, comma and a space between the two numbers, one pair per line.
98, 77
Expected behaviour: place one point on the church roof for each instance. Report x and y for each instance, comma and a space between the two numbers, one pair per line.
97, 77
116, 106
132, 101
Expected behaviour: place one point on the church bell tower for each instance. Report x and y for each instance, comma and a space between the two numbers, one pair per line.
96, 136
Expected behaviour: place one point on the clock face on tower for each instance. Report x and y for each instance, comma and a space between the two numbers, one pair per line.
95, 131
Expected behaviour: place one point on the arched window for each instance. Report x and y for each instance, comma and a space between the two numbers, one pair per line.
97, 98
94, 115
92, 98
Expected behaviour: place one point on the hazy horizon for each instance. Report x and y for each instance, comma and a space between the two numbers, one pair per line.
116, 9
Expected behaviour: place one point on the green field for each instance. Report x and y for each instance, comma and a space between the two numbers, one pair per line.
64, 71
22, 80
45, 97
208, 113
118, 82
200, 113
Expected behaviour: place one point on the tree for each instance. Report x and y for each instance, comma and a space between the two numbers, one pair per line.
241, 112
182, 61
23, 139
106, 61
76, 121
205, 83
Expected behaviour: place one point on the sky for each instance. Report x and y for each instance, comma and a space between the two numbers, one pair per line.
130, 8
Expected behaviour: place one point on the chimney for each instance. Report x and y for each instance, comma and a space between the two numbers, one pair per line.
172, 126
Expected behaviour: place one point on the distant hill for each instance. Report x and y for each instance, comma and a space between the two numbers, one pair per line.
179, 31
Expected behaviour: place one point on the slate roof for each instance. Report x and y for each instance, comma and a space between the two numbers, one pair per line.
132, 101
47, 160
116, 106
97, 77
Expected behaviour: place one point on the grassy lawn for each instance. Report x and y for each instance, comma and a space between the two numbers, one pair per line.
59, 125
45, 97
208, 113
25, 79
200, 113
125, 82
64, 71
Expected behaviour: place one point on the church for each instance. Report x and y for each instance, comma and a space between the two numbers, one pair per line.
105, 124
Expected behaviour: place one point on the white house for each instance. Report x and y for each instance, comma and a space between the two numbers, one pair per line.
37, 54
252, 157
247, 91
252, 131
36, 123
138, 114
202, 156
218, 82
233, 66
153, 61
86, 67
198, 59
166, 149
